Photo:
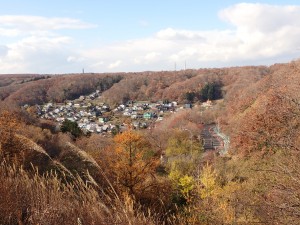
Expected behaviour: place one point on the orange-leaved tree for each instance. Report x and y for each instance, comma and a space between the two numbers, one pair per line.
133, 162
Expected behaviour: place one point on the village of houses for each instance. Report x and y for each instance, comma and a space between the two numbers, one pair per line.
101, 119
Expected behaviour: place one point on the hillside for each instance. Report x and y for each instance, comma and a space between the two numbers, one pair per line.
160, 175
54, 88
265, 114
116, 88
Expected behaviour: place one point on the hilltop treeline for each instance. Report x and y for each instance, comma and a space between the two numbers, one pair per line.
117, 88
156, 86
41, 89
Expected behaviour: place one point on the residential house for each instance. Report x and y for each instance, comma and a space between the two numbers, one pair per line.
207, 104
148, 115
103, 119
188, 106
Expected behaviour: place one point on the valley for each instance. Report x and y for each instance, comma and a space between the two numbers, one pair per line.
217, 143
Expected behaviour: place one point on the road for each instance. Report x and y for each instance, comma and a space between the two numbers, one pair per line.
211, 139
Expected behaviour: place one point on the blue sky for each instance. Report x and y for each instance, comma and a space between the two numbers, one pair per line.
110, 36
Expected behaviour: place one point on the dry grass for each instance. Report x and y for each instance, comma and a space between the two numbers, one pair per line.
35, 199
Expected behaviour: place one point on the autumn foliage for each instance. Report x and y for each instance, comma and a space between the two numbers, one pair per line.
159, 175
133, 163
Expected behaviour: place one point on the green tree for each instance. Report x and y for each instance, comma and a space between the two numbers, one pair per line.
72, 127
116, 130
190, 96
211, 91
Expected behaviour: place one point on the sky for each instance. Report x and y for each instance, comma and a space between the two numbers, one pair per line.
64, 36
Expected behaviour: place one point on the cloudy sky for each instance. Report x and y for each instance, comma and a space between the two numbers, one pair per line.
65, 36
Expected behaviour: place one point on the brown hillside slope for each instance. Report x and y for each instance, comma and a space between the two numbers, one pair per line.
80, 163
56, 88
26, 153
174, 85
153, 86
265, 115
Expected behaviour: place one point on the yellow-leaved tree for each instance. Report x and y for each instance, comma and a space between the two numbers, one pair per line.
208, 179
183, 153
219, 202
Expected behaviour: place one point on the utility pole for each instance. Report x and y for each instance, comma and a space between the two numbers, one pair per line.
175, 66
185, 65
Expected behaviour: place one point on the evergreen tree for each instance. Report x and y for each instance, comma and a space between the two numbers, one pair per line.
211, 91
72, 127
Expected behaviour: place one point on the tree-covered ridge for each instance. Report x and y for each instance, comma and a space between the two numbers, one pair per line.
56, 88
121, 87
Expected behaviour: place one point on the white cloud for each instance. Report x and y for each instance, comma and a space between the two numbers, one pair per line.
115, 64
37, 54
148, 58
261, 17
75, 59
17, 26
9, 32
152, 56
95, 66
259, 34
37, 46
172, 34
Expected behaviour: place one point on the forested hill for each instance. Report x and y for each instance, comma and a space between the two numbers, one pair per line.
172, 85
260, 102
264, 116
37, 89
